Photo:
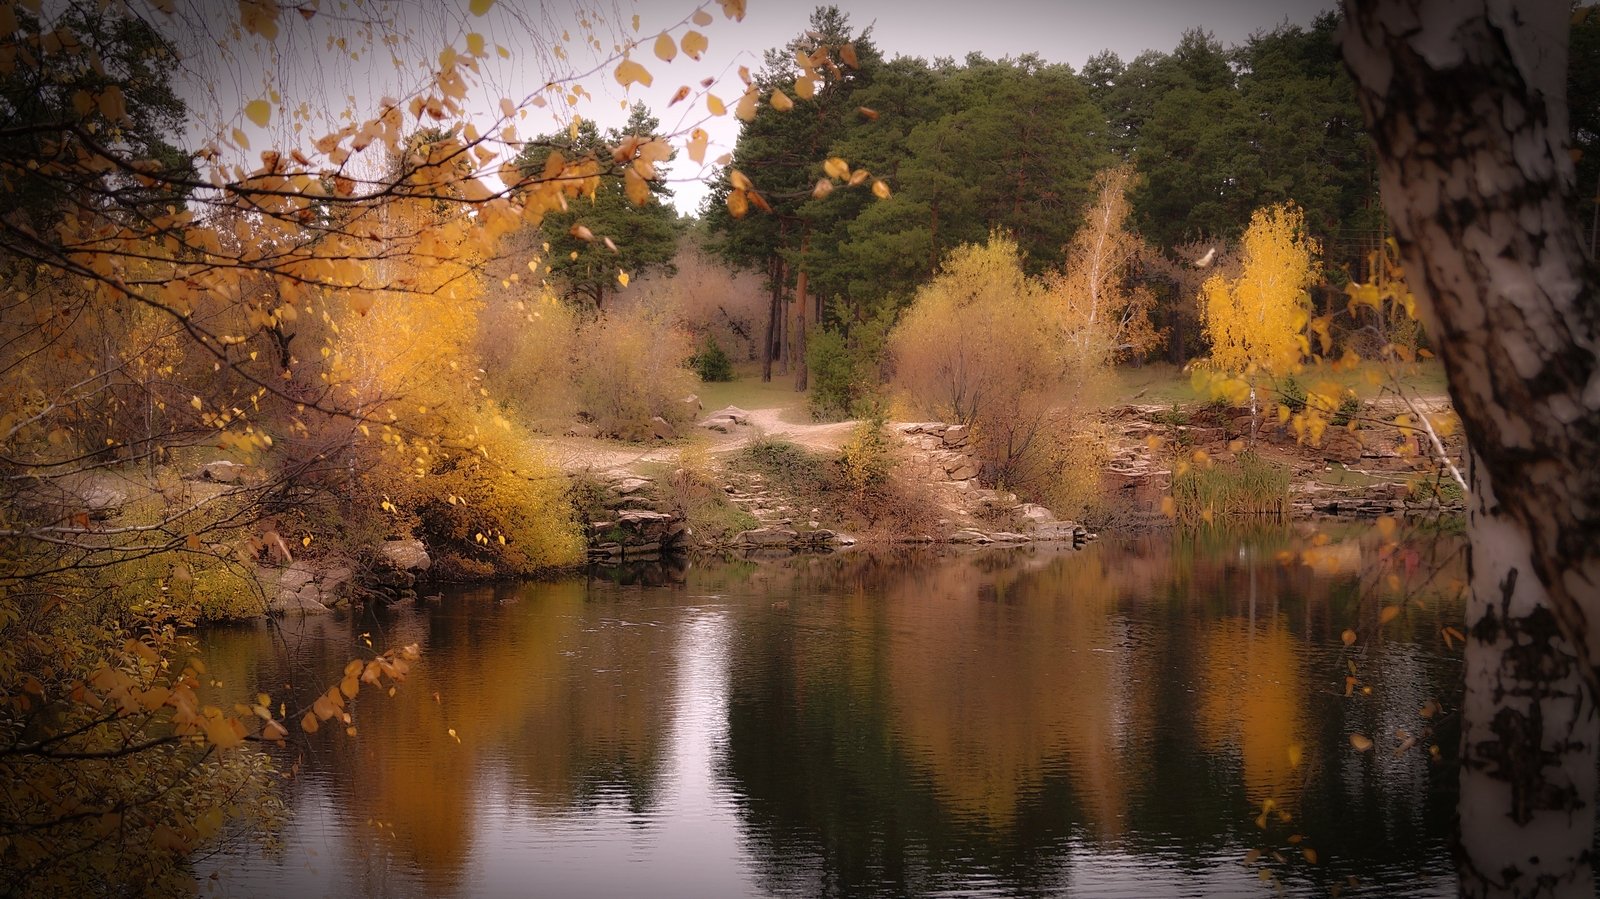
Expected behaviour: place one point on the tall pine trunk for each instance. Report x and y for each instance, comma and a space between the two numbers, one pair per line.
1465, 102
774, 312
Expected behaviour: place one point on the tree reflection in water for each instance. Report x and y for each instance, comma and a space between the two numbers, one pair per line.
1007, 721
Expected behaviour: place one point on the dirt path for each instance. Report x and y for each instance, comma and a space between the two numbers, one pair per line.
578, 454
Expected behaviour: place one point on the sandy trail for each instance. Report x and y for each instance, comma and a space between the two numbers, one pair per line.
580, 454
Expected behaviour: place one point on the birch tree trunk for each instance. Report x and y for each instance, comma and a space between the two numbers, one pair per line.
1528, 725
1465, 101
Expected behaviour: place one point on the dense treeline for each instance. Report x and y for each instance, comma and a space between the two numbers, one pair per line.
967, 146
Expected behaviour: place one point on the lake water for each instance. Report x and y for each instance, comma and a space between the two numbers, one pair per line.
1107, 722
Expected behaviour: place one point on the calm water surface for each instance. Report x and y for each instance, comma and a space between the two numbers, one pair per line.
1010, 723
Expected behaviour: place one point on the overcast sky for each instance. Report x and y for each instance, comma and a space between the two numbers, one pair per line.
305, 67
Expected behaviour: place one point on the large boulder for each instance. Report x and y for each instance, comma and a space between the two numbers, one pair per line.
97, 497
661, 429
308, 588
1340, 445
1035, 516
405, 555
956, 436
635, 533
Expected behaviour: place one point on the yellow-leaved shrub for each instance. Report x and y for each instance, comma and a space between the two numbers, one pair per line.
494, 508
632, 367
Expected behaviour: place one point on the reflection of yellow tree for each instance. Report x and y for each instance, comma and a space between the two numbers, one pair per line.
1000, 678
1250, 701
544, 694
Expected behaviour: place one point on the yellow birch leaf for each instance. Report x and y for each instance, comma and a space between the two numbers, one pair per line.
738, 180
258, 111
823, 187
804, 87
479, 7
880, 190
847, 53
666, 49
715, 104
836, 168
738, 204
701, 18
746, 110
622, 278
1360, 742
697, 145
475, 44
780, 101
733, 9
867, 113
1349, 637
694, 43
637, 189
1388, 614
629, 72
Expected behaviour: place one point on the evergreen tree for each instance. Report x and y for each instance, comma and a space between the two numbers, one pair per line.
595, 242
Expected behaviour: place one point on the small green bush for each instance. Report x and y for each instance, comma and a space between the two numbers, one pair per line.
1292, 393
845, 369
1349, 410
711, 363
1176, 417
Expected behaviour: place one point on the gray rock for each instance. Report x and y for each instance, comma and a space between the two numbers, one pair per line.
734, 413
966, 471
627, 486
767, 537
405, 555
221, 471
956, 435
1339, 445
307, 588
635, 532
1060, 531
583, 429
1035, 516
661, 429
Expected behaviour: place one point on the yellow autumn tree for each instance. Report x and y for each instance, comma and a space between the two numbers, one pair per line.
1256, 322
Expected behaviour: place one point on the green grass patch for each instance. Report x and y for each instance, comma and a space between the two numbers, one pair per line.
748, 392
